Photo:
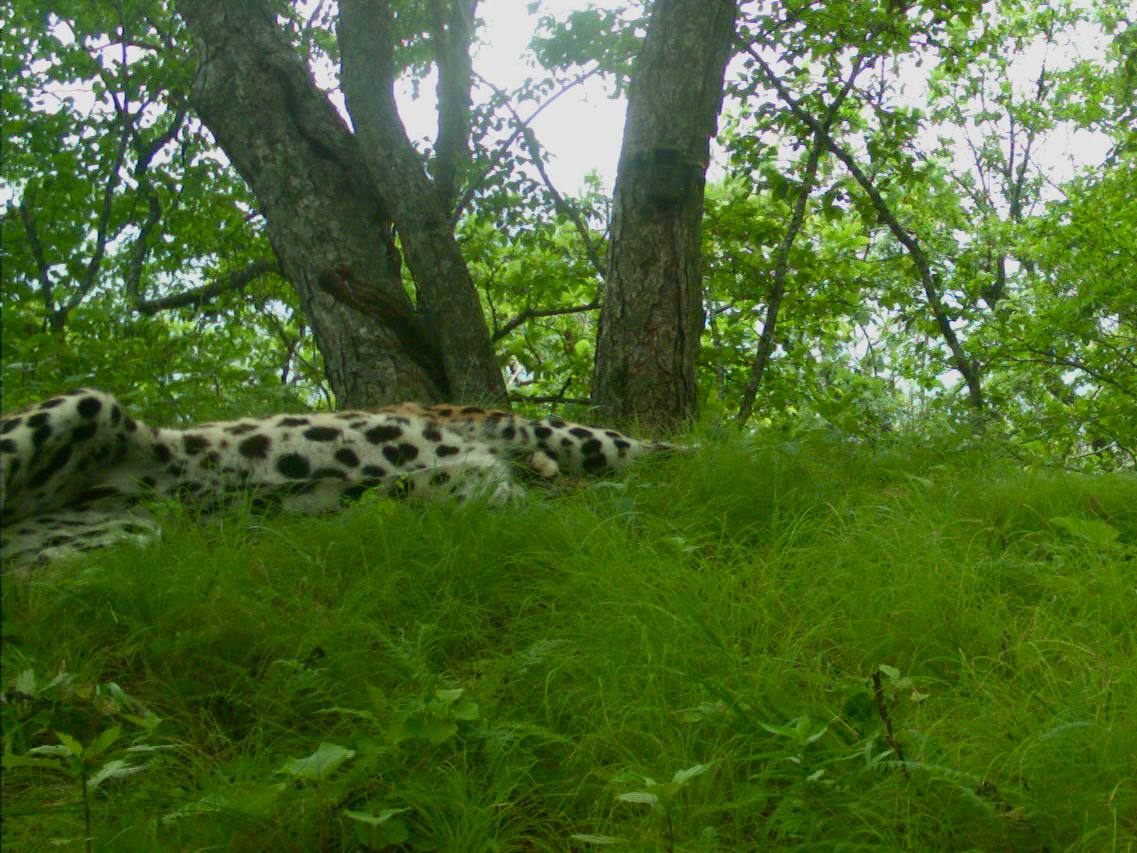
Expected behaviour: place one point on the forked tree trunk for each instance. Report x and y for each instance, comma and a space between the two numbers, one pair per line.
447, 300
652, 316
328, 221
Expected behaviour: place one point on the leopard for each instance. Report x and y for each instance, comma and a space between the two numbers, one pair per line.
80, 473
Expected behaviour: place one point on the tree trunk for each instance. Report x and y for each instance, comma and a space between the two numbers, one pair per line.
327, 221
652, 316
447, 300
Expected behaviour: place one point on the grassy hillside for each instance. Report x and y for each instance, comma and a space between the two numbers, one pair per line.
755, 648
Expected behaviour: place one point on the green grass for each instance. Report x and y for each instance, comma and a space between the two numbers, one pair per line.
535, 678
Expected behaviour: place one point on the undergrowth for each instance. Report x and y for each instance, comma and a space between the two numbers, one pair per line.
792, 647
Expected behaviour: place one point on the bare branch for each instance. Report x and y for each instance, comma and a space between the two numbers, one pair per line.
778, 289
1052, 360
504, 147
1016, 180
311, 22
452, 31
549, 398
112, 181
781, 265
562, 206
199, 296
142, 248
43, 271
886, 718
144, 154
530, 314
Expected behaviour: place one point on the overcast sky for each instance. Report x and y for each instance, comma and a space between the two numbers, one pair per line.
583, 129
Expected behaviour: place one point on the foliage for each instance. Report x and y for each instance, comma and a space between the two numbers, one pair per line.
859, 345
115, 199
787, 643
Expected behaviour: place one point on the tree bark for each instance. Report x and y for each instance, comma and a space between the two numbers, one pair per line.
420, 208
327, 221
652, 315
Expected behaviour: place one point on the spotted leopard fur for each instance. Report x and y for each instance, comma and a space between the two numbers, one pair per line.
77, 469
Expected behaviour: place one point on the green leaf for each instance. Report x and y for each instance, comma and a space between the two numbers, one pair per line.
11, 761
50, 749
467, 710
682, 777
102, 742
598, 840
115, 769
449, 697
25, 683
374, 820
320, 764
639, 797
209, 804
816, 736
1091, 530
379, 831
704, 711
437, 730
72, 746
784, 731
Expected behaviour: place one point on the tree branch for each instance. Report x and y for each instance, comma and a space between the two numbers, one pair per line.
1051, 360
93, 265
504, 147
142, 247
199, 296
781, 264
145, 155
43, 271
562, 206
959, 358
452, 31
549, 398
448, 304
530, 314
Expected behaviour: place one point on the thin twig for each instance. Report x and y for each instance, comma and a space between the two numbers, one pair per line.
562, 206
201, 295
886, 718
43, 271
504, 147
781, 265
960, 360
529, 314
549, 398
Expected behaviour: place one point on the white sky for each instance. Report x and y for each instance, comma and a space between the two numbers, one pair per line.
582, 130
